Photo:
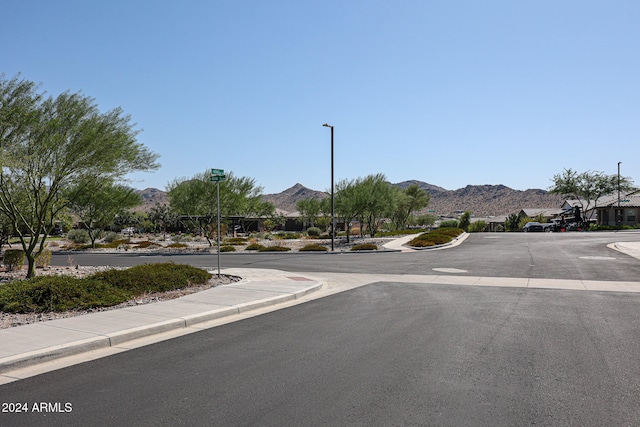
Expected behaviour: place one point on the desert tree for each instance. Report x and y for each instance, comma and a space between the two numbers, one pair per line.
309, 209
97, 209
195, 200
162, 216
410, 200
346, 203
52, 151
588, 187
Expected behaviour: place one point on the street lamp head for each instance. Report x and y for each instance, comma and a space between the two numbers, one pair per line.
327, 125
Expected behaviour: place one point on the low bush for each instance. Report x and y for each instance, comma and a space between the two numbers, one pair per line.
177, 245
254, 247
289, 235
421, 243
110, 237
235, 241
13, 258
60, 293
477, 227
314, 231
365, 247
146, 244
227, 248
274, 249
78, 236
448, 231
313, 247
154, 277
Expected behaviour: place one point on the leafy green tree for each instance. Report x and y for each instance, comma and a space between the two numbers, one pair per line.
512, 223
410, 200
99, 207
424, 220
465, 221
376, 199
309, 210
346, 204
478, 226
161, 216
196, 200
588, 187
52, 151
524, 220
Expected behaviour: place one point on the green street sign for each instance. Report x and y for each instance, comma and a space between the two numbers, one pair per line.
217, 178
624, 201
217, 172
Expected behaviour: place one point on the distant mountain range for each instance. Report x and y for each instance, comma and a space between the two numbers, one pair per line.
482, 200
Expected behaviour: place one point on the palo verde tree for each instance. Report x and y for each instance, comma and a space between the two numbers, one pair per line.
309, 210
410, 200
376, 199
52, 151
162, 216
346, 203
588, 187
195, 199
98, 208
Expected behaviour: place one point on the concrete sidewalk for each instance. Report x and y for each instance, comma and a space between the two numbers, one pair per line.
26, 346
35, 343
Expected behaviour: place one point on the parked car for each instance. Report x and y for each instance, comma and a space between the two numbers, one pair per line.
532, 226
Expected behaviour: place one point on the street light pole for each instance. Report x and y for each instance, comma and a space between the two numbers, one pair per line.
618, 215
333, 221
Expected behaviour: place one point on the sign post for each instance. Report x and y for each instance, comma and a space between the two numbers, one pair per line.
218, 175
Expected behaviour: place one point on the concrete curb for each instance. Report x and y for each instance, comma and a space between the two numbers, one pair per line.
89, 338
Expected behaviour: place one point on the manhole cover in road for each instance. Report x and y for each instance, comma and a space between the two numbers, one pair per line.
604, 258
449, 270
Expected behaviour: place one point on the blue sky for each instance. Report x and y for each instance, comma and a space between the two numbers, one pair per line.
450, 93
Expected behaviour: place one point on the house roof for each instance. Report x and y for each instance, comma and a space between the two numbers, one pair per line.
627, 201
546, 212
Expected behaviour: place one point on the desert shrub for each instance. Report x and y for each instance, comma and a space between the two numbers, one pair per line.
235, 241
477, 227
314, 231
44, 259
145, 244
355, 231
110, 237
436, 238
78, 236
448, 231
274, 249
325, 236
313, 247
365, 247
254, 247
13, 258
177, 245
449, 223
58, 293
154, 277
421, 243
227, 248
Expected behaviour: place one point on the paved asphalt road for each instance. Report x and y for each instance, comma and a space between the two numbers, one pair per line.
386, 353
533, 255
383, 354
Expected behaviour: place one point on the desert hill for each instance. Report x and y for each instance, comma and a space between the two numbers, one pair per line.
482, 200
